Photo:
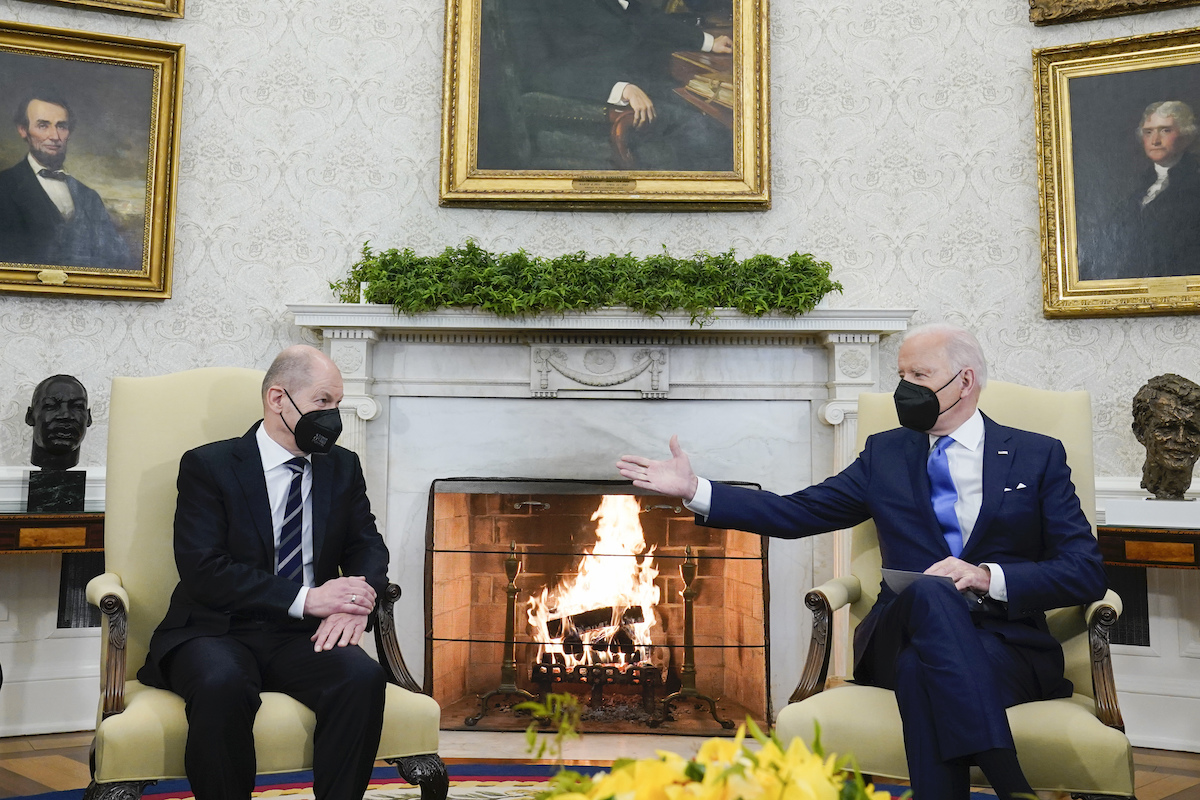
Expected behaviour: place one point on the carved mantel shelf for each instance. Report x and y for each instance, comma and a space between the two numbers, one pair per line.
382, 318
612, 353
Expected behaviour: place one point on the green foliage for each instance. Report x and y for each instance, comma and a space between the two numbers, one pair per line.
519, 285
562, 711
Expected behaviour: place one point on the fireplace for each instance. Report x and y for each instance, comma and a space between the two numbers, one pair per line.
598, 589
461, 392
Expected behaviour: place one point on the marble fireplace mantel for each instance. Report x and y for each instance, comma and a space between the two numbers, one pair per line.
351, 332
469, 394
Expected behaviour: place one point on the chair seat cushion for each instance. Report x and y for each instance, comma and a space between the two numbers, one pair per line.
1061, 744
145, 742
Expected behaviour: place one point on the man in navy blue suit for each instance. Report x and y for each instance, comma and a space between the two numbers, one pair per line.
952, 494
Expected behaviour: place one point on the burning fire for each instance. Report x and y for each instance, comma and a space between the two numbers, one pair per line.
603, 614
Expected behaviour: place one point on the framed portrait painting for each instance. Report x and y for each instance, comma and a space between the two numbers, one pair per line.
1119, 175
1051, 12
88, 161
606, 104
151, 8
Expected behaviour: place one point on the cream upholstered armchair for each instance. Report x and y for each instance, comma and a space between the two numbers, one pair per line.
1074, 745
140, 730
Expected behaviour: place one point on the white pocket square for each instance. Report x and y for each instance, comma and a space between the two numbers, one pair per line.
1019, 486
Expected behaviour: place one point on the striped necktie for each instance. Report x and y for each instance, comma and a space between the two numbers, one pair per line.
289, 556
944, 495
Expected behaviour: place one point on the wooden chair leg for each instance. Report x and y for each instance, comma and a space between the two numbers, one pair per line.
426, 771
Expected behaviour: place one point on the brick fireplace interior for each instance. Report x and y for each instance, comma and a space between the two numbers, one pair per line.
547, 526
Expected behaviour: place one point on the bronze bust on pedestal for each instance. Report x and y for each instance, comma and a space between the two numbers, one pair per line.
1166, 421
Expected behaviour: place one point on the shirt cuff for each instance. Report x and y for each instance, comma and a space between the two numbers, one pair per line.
296, 609
701, 502
708, 43
997, 589
614, 97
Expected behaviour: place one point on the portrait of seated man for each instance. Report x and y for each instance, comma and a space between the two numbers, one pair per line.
47, 215
1155, 230
604, 54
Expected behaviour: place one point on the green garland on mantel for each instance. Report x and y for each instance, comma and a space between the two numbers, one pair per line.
520, 285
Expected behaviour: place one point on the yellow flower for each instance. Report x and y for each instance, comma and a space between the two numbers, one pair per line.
721, 751
725, 769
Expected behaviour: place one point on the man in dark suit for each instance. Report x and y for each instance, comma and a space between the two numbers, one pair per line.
263, 526
1155, 231
952, 494
46, 215
618, 52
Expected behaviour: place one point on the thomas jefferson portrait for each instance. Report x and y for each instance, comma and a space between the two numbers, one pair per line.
1137, 175
74, 148
598, 84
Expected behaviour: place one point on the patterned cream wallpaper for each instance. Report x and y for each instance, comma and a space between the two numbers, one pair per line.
903, 152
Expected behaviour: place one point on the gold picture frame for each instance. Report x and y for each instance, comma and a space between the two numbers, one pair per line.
1052, 12
527, 122
103, 222
1118, 193
172, 9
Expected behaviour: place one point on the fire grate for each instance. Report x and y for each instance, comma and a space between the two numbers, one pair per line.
598, 676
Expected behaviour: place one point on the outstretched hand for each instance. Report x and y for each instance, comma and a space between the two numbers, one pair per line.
673, 477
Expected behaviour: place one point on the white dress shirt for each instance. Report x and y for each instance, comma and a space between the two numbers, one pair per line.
279, 480
965, 457
56, 190
1161, 182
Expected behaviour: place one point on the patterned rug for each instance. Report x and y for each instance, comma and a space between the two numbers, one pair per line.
468, 781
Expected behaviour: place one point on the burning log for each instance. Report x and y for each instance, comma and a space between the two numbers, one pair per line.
596, 618
620, 642
602, 614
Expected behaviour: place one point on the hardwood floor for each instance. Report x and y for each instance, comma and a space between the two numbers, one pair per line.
56, 762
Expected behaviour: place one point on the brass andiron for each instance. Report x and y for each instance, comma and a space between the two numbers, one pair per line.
687, 675
508, 671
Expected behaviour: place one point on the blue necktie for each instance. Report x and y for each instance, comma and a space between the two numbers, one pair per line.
944, 495
289, 556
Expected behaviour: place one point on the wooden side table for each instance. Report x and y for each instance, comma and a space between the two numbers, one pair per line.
1126, 546
52, 533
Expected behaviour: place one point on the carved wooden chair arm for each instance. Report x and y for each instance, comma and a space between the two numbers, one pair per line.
619, 136
823, 601
387, 645
106, 592
1101, 616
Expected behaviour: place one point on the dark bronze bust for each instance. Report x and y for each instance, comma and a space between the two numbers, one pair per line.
60, 417
1166, 421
